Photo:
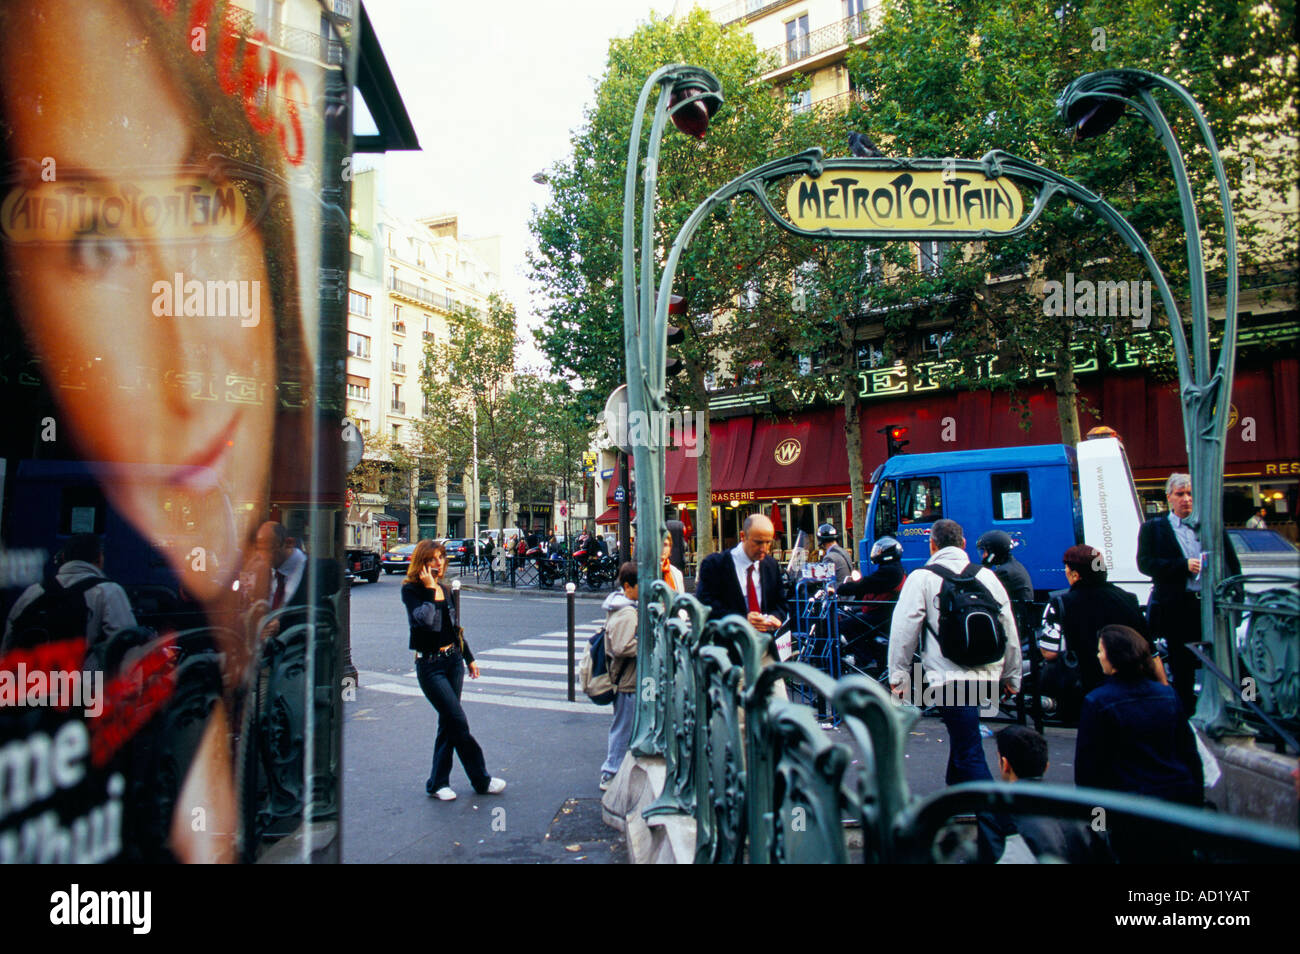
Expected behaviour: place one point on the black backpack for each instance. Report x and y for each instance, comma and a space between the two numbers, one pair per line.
59, 613
970, 631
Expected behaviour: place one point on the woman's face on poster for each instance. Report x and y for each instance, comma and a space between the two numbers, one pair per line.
184, 401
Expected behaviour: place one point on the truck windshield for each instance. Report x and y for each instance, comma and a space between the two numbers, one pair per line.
886, 519
920, 500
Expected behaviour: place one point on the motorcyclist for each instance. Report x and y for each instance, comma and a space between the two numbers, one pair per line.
829, 538
995, 553
859, 626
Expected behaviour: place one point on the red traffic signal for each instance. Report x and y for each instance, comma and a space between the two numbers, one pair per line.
894, 442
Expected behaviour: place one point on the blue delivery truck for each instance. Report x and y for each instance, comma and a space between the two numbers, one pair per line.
1046, 498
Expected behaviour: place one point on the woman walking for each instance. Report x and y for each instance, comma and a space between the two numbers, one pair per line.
441, 655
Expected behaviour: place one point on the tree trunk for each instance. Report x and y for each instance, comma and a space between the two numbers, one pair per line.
703, 473
413, 501
1067, 407
853, 447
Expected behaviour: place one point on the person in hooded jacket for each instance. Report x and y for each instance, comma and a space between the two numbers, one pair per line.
620, 648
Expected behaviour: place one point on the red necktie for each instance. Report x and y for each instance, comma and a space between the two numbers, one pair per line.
278, 600
751, 594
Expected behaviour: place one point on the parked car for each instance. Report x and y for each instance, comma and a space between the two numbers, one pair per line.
363, 565
398, 559
460, 550
1265, 551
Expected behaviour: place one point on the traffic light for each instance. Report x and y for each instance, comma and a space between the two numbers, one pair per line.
894, 442
674, 365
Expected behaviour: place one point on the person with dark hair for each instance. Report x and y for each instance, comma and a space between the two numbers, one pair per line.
1133, 733
620, 649
917, 611
995, 553
1022, 757
441, 655
861, 625
1071, 620
81, 573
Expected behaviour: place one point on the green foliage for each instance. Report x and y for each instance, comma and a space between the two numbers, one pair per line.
579, 234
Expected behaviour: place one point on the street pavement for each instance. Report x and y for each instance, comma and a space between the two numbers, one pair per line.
547, 749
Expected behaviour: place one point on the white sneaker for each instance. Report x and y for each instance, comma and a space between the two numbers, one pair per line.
445, 794
496, 786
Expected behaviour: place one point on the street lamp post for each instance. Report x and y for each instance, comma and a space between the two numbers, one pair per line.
689, 96
1092, 104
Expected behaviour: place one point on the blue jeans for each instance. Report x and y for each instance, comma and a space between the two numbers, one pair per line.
966, 763
441, 678
620, 733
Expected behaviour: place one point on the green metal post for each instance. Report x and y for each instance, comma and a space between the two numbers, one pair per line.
1093, 103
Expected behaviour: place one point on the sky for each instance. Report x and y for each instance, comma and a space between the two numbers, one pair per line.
494, 92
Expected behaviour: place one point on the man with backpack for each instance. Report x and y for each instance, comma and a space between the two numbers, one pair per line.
620, 650
78, 601
959, 616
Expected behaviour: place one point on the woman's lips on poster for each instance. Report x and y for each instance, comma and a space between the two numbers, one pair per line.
200, 471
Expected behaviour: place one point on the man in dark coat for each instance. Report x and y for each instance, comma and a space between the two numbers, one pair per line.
745, 580
1169, 551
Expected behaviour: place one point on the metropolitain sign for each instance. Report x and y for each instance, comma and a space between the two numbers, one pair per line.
908, 201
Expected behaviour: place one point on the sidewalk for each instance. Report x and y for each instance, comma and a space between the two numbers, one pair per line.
555, 590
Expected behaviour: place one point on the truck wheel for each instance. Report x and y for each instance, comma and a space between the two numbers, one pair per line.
372, 576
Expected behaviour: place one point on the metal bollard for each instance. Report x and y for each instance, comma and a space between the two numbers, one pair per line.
569, 598
455, 600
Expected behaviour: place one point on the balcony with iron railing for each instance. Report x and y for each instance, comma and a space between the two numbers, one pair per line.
399, 328
847, 31
399, 367
399, 407
746, 8
289, 39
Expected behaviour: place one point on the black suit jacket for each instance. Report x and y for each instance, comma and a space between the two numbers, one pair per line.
717, 587
1160, 557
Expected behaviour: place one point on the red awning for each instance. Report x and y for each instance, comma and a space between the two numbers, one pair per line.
610, 516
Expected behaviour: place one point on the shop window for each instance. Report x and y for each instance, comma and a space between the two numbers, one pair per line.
920, 500
1011, 496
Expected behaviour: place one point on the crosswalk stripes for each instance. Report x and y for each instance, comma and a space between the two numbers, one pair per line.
530, 673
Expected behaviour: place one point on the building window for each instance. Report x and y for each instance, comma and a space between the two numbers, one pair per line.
931, 255
359, 391
397, 436
802, 102
397, 312
358, 345
358, 263
871, 354
451, 302
358, 303
796, 39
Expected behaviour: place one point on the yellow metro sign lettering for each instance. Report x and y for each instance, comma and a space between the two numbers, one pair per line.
848, 200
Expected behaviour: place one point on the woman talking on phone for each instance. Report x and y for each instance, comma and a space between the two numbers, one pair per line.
441, 655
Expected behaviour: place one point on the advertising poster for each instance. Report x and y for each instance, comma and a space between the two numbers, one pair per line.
173, 233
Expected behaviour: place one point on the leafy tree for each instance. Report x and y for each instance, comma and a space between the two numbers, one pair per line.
737, 251
467, 382
960, 79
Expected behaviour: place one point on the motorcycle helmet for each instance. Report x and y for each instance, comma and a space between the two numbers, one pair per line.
886, 549
997, 545
827, 533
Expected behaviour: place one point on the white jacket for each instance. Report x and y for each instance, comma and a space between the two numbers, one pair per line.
919, 602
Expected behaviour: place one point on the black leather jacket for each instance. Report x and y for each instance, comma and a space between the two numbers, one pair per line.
433, 625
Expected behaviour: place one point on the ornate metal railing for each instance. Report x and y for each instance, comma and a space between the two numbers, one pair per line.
765, 782
816, 42
1262, 683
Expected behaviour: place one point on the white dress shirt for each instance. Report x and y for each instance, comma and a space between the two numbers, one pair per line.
742, 564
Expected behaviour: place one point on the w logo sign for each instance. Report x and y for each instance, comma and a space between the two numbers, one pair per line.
787, 452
